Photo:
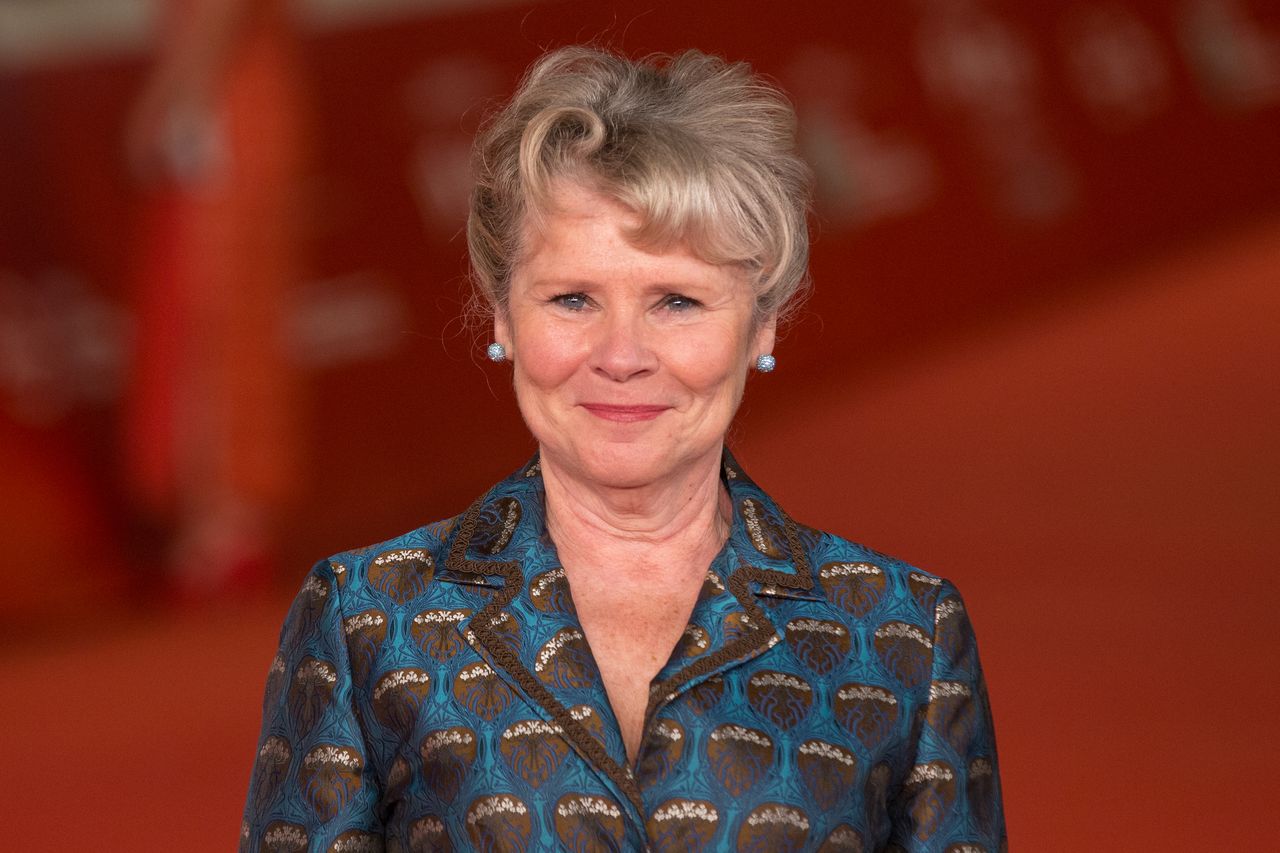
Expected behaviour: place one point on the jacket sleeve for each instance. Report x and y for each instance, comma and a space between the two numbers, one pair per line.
951, 795
312, 783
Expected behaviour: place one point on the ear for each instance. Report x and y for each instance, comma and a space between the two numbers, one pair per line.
766, 336
502, 329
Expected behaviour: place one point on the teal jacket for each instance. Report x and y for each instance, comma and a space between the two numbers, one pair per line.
435, 692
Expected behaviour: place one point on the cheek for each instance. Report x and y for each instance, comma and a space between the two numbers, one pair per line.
544, 361
714, 367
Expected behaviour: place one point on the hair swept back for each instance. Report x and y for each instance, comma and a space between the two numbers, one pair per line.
702, 149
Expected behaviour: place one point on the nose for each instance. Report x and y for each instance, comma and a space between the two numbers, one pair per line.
623, 348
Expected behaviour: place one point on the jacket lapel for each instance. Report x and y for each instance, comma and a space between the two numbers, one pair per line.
763, 558
528, 632
529, 635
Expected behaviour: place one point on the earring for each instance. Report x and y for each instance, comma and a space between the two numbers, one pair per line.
766, 363
496, 352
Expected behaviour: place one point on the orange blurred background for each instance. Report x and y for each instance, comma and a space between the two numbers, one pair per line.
1040, 359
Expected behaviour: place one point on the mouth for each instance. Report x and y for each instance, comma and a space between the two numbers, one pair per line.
624, 414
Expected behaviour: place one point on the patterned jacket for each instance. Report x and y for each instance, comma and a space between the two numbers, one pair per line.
435, 692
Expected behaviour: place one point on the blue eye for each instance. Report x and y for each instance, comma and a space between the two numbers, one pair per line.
676, 302
572, 301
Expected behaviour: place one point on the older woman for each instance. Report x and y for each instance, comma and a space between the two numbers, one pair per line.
627, 645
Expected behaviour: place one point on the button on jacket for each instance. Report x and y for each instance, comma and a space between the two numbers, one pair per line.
436, 692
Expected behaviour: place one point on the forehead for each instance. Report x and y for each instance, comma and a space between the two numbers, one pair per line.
570, 209
582, 232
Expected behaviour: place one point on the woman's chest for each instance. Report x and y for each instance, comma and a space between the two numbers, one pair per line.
763, 752
631, 638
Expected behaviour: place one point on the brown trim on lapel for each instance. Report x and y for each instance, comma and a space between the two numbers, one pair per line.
577, 735
763, 634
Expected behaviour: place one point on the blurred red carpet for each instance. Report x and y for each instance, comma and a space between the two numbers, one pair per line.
1098, 474
135, 734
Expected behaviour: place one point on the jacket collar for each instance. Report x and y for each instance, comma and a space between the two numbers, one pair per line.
529, 634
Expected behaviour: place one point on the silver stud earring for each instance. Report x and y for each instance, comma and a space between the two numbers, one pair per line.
496, 352
766, 363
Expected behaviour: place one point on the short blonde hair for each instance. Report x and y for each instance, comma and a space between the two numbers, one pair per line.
704, 151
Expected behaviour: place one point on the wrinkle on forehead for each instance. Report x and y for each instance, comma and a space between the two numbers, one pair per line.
658, 232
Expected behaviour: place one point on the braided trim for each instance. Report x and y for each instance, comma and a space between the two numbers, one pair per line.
759, 638
510, 571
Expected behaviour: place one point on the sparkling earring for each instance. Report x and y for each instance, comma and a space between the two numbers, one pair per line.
766, 363
496, 352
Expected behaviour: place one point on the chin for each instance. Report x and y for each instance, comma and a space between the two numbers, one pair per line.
625, 466
618, 466
623, 469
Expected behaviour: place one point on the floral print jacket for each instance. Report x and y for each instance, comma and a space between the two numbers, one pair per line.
435, 692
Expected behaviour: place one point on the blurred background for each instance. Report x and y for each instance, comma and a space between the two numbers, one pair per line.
1041, 359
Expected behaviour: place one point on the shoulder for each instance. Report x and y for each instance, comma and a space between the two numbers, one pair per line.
851, 577
411, 570
913, 622
395, 571
865, 583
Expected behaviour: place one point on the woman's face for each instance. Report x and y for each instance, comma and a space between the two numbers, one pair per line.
628, 365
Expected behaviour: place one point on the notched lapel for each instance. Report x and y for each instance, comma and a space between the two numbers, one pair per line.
481, 582
529, 638
561, 660
761, 533
773, 591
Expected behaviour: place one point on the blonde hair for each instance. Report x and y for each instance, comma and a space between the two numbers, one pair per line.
703, 150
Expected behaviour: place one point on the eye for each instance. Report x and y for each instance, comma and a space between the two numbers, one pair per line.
572, 301
676, 302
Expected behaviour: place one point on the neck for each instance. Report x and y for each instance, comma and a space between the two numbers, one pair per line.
670, 527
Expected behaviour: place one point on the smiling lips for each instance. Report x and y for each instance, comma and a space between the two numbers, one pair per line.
624, 414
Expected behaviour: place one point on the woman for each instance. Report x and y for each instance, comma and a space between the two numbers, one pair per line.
627, 645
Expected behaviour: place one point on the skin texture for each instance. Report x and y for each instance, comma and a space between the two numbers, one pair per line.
628, 367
